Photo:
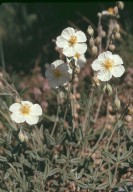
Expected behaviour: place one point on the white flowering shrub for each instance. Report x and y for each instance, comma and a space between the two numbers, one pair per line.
78, 135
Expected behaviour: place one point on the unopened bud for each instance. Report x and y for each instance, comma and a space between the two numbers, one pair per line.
72, 63
117, 35
61, 95
76, 79
72, 96
115, 10
75, 115
98, 41
117, 102
120, 5
107, 88
99, 14
112, 47
17, 100
90, 30
112, 37
21, 135
1, 75
128, 118
77, 95
77, 70
94, 50
110, 108
77, 106
117, 27
103, 33
130, 110
95, 81
91, 42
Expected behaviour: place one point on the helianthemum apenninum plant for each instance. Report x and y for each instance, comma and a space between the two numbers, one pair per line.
83, 142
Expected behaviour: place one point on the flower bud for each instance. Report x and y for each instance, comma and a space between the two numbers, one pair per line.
107, 88
1, 75
21, 136
77, 95
91, 42
117, 35
77, 106
77, 70
76, 79
130, 110
112, 47
128, 118
98, 41
115, 10
117, 27
95, 81
120, 5
90, 30
103, 33
99, 15
94, 50
117, 102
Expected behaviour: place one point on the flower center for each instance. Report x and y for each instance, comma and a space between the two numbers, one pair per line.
25, 109
110, 10
57, 73
72, 40
108, 64
77, 55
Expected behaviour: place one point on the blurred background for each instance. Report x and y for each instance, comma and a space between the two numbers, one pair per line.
27, 29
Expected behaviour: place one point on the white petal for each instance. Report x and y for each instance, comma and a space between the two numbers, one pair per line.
17, 117
96, 65
53, 83
61, 42
80, 37
80, 63
64, 68
118, 70
14, 107
68, 32
104, 75
36, 110
31, 119
69, 51
27, 102
57, 63
80, 48
105, 55
117, 59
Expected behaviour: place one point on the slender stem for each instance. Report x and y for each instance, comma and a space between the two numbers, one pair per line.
98, 109
2, 54
56, 119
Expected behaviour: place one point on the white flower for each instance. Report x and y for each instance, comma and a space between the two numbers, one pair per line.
59, 74
72, 41
25, 111
108, 65
79, 58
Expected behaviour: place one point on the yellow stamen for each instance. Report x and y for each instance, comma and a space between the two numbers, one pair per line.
110, 10
25, 109
77, 55
108, 63
72, 40
57, 73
